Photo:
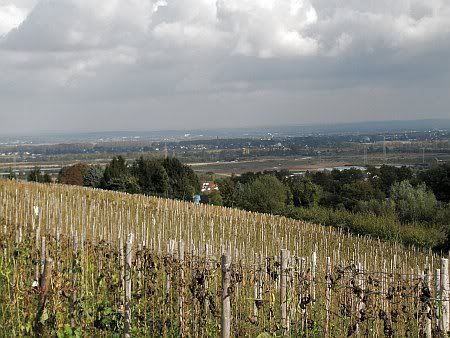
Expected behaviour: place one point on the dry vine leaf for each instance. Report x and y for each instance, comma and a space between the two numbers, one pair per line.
264, 335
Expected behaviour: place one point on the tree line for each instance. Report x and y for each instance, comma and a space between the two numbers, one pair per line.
165, 177
392, 203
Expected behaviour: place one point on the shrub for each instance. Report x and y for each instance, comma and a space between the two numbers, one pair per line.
413, 204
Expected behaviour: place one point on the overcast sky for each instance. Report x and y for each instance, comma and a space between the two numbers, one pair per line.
175, 64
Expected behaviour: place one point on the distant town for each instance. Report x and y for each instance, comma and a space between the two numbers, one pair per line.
237, 151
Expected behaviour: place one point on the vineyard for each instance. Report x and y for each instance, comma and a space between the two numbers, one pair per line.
78, 262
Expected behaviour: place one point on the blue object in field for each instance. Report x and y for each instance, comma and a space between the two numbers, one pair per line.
197, 199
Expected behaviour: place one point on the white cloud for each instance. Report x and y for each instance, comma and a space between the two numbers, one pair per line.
93, 50
10, 17
268, 28
259, 28
80, 24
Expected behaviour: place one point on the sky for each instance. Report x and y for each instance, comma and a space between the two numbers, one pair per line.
88, 65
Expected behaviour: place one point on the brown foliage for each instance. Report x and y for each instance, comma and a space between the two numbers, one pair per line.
73, 175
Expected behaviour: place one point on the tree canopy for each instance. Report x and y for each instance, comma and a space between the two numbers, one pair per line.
265, 194
73, 175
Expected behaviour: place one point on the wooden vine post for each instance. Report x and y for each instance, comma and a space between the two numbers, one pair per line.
313, 275
226, 302
35, 215
44, 285
258, 288
128, 281
73, 296
122, 267
169, 268
255, 290
43, 252
283, 292
181, 295
437, 292
445, 308
328, 297
427, 325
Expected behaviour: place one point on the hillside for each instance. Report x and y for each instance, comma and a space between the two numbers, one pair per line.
334, 283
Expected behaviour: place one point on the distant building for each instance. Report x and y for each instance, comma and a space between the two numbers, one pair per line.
209, 187
355, 167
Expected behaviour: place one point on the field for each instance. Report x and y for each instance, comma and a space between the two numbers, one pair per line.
291, 163
80, 262
299, 163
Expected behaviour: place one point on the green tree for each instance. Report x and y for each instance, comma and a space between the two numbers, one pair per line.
11, 175
93, 177
354, 192
47, 178
413, 204
438, 179
304, 192
248, 177
330, 188
151, 176
228, 188
378, 207
183, 182
385, 177
347, 176
35, 175
124, 184
117, 168
215, 198
117, 177
265, 194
